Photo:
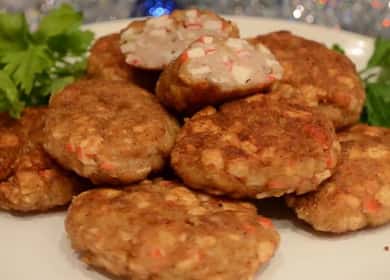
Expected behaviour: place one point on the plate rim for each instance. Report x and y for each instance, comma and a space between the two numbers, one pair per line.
298, 24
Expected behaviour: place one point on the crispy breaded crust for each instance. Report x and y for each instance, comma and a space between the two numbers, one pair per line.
10, 144
256, 147
162, 230
34, 182
358, 195
109, 132
325, 79
106, 62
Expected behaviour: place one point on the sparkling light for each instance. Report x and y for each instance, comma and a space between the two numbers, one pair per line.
159, 11
157, 8
309, 19
376, 4
297, 13
301, 8
386, 23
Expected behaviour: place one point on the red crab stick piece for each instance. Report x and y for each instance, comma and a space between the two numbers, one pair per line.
155, 42
266, 223
215, 69
371, 205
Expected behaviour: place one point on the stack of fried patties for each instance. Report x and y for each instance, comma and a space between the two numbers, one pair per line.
30, 180
260, 119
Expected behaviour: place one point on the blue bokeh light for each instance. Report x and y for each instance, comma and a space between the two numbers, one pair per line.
156, 12
157, 8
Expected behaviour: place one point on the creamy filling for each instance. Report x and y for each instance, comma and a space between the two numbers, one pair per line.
230, 63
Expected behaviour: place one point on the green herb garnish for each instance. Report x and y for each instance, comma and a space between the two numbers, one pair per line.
338, 48
34, 65
376, 78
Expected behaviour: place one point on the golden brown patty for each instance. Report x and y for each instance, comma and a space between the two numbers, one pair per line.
30, 180
325, 78
162, 230
106, 62
213, 70
109, 132
257, 147
358, 195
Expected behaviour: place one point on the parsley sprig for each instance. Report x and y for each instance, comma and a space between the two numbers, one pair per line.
376, 78
34, 65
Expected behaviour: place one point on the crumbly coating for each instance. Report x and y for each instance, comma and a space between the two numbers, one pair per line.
358, 195
256, 147
10, 144
325, 79
109, 132
155, 42
31, 180
106, 62
161, 230
213, 70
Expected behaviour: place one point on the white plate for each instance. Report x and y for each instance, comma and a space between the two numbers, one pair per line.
36, 247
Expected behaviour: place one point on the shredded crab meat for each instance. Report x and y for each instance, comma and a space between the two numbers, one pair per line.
241, 74
206, 39
213, 25
200, 70
236, 44
230, 63
196, 52
171, 34
192, 14
159, 32
163, 21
